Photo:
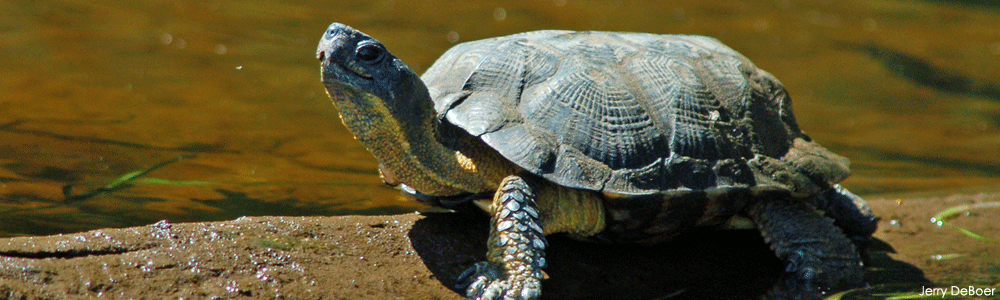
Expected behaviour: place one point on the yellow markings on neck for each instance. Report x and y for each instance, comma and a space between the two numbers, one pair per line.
371, 123
467, 163
414, 158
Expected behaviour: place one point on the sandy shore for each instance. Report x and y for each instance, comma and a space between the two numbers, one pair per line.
418, 256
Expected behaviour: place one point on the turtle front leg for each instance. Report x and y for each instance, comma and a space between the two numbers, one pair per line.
516, 256
819, 257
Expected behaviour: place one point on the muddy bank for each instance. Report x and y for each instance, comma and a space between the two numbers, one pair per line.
418, 256
353, 257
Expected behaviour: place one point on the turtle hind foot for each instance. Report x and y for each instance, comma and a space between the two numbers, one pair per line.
811, 274
852, 215
819, 257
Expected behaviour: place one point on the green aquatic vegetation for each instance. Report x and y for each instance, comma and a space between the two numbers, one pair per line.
120, 181
942, 217
160, 181
137, 178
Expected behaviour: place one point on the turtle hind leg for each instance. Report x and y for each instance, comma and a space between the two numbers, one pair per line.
851, 214
819, 257
516, 256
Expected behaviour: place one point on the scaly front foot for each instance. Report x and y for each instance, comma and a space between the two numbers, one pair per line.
516, 255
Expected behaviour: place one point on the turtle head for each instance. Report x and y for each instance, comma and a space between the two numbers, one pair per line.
368, 83
385, 105
356, 67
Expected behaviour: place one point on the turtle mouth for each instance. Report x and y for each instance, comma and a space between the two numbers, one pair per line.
342, 68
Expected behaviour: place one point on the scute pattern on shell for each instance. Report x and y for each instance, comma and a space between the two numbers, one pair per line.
624, 113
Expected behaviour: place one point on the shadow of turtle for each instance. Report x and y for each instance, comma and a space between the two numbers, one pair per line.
883, 269
729, 264
697, 265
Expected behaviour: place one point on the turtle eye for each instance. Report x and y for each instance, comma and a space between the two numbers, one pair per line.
369, 52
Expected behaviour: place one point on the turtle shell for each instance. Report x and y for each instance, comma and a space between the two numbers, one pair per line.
630, 113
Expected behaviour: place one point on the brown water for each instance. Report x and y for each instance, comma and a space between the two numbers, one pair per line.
93, 90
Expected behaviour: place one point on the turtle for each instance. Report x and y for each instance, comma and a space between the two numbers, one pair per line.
602, 136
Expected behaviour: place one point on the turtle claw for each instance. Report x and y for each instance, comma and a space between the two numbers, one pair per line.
477, 274
485, 281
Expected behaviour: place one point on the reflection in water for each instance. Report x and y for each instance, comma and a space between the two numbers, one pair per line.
983, 169
981, 4
13, 127
923, 73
